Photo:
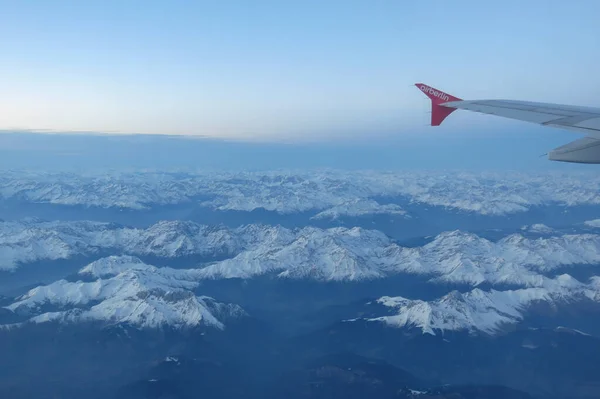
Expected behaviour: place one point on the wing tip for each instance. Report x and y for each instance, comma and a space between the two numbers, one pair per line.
439, 112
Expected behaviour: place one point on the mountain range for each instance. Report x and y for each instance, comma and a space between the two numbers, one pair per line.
125, 290
485, 311
333, 192
300, 284
334, 254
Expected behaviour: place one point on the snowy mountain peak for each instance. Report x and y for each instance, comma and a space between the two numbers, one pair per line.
481, 311
332, 254
360, 207
112, 266
592, 223
332, 193
538, 228
324, 254
126, 290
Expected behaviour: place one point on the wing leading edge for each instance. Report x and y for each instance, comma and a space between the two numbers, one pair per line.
580, 119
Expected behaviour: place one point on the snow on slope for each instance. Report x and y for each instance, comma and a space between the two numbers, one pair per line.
483, 311
453, 257
593, 223
106, 189
460, 257
125, 290
29, 241
290, 192
538, 228
334, 254
112, 266
360, 207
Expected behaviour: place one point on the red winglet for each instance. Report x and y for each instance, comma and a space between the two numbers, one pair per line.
438, 97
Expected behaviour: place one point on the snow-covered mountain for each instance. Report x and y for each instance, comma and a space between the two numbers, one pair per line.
460, 257
538, 228
360, 207
33, 240
452, 257
484, 311
593, 223
334, 254
126, 290
334, 192
327, 255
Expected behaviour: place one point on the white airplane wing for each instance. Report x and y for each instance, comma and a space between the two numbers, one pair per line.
580, 119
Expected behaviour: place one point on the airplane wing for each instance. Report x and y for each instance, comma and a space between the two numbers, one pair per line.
580, 119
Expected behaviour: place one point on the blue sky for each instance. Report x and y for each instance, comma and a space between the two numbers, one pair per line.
279, 70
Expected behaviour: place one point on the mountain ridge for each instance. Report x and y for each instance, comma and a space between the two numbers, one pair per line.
292, 191
333, 254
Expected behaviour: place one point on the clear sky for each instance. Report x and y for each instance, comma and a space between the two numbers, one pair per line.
285, 69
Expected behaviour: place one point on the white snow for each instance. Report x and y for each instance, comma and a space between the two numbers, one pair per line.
466, 258
334, 254
112, 266
483, 311
529, 346
567, 329
123, 289
143, 296
292, 191
360, 207
593, 223
29, 241
538, 228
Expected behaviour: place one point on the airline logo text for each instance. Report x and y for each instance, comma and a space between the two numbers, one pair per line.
435, 93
